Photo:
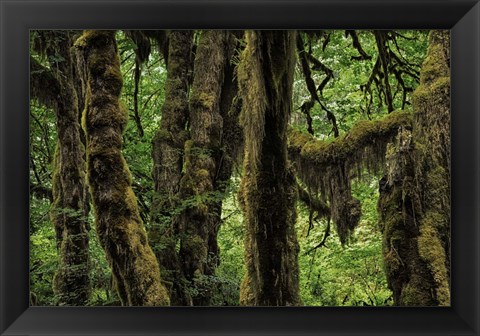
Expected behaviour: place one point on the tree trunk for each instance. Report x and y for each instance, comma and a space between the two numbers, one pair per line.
414, 202
228, 155
70, 203
268, 190
167, 155
117, 219
197, 184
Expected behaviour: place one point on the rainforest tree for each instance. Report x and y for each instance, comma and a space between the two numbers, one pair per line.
167, 153
118, 223
268, 190
414, 202
57, 88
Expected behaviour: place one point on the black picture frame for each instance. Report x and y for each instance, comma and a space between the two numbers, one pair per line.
19, 16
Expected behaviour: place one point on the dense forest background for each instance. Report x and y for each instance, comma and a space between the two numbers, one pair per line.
240, 168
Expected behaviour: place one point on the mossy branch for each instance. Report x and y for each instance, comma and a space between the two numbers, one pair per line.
351, 147
326, 166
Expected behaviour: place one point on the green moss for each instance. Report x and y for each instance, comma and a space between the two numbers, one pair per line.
432, 251
414, 200
196, 243
436, 63
204, 100
437, 191
415, 295
251, 87
162, 135
297, 140
431, 107
437, 92
94, 38
351, 145
247, 297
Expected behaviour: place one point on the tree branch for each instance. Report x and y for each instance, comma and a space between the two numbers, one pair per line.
324, 239
305, 149
311, 87
358, 46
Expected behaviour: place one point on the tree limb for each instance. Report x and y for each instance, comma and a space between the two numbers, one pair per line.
305, 149
358, 46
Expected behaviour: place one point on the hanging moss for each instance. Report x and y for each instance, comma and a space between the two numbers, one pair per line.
268, 191
117, 219
327, 166
314, 203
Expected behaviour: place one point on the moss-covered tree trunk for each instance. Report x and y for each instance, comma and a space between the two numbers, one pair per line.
167, 156
117, 219
268, 190
414, 202
200, 169
70, 202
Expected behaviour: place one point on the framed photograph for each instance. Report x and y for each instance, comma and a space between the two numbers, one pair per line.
239, 168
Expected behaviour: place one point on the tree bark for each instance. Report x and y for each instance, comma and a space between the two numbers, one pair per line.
228, 154
414, 202
268, 190
167, 156
117, 219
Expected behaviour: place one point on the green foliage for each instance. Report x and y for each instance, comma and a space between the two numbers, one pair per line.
44, 261
331, 275
43, 252
343, 94
103, 292
137, 150
43, 256
230, 240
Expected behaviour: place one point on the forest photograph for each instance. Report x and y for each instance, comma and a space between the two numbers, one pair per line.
240, 168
